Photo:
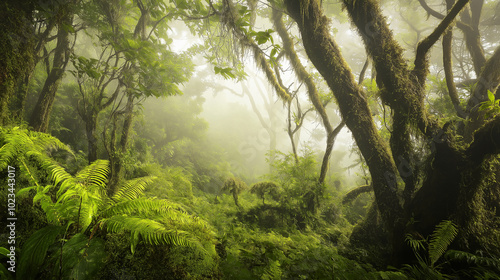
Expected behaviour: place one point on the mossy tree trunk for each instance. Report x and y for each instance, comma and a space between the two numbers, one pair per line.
116, 152
17, 56
406, 187
41, 114
314, 96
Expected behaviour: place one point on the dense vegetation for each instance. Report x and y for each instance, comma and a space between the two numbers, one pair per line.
117, 162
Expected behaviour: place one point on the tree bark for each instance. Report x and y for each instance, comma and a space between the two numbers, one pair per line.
41, 114
91, 130
489, 80
448, 66
17, 56
325, 55
115, 154
312, 91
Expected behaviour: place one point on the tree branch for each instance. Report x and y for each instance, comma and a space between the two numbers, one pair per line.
448, 69
438, 15
421, 63
486, 141
230, 17
353, 194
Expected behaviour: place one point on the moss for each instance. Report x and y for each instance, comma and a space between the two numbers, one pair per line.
16, 56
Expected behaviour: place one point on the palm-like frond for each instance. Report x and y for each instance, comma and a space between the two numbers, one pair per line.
441, 238
17, 142
151, 231
92, 178
132, 189
83, 195
29, 148
156, 221
142, 206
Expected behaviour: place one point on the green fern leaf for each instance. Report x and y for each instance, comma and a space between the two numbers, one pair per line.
473, 259
441, 238
145, 206
151, 231
133, 188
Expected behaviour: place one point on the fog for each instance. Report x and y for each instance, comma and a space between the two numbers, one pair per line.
231, 139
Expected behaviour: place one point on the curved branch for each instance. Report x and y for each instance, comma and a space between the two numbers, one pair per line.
471, 33
448, 70
438, 15
230, 18
421, 63
353, 194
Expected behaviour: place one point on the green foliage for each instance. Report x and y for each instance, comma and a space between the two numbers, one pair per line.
492, 106
22, 147
80, 204
301, 195
441, 238
235, 186
224, 72
35, 250
263, 188
4, 273
81, 258
474, 266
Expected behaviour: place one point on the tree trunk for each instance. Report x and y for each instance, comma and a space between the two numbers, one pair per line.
312, 91
116, 152
325, 55
330, 140
17, 56
91, 130
41, 114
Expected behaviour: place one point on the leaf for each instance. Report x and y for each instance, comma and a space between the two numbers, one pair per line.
81, 257
491, 96
68, 28
441, 238
4, 251
225, 72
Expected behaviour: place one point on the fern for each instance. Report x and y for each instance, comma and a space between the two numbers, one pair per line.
82, 200
151, 231
272, 271
133, 188
141, 206
441, 238
473, 259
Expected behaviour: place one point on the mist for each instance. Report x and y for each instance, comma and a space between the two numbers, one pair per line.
250, 139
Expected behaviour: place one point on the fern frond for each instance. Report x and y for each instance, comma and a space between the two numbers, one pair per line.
272, 271
14, 143
473, 259
151, 231
415, 244
94, 177
17, 143
142, 206
441, 238
132, 189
